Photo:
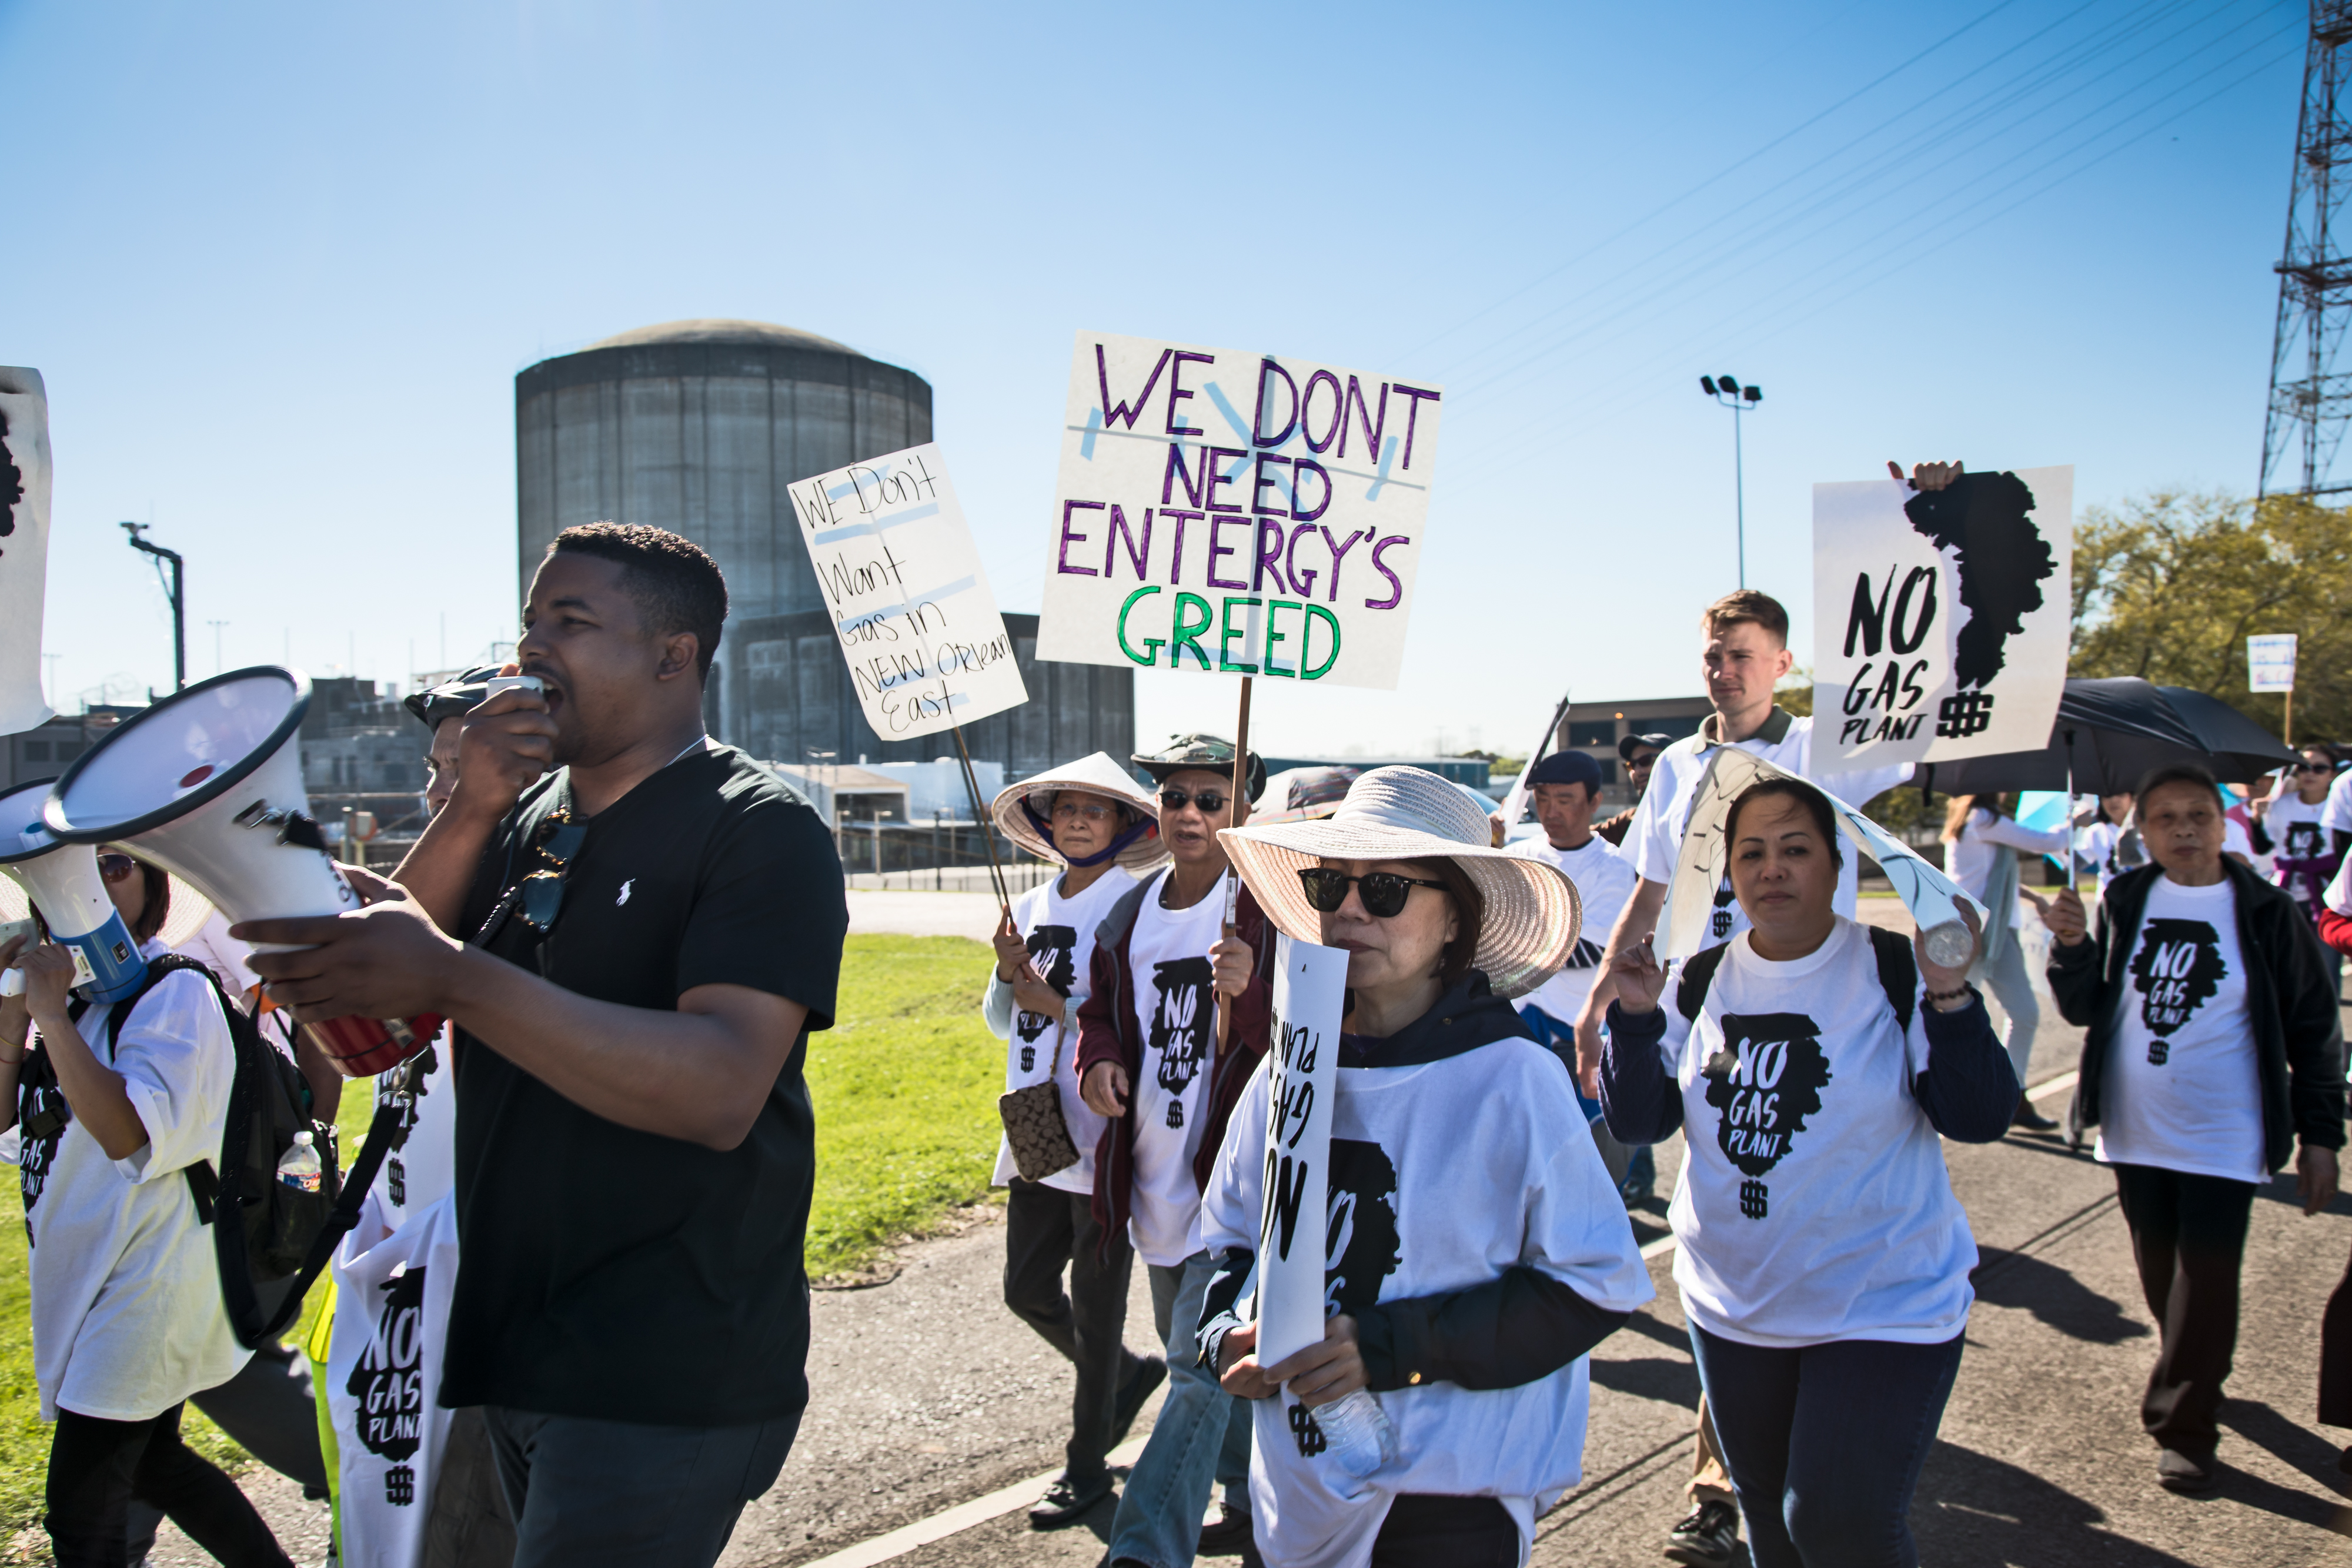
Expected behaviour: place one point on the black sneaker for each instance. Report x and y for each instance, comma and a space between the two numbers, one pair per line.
1231, 1536
1150, 1372
2176, 1471
2026, 1118
1708, 1538
1066, 1501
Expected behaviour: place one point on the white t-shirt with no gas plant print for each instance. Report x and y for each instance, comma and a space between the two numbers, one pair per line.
2297, 831
1814, 1203
1176, 1019
1060, 933
1604, 880
2182, 1090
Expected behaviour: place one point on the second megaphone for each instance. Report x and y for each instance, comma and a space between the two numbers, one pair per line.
209, 785
62, 880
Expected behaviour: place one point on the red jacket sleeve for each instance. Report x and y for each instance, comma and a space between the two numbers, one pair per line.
2335, 930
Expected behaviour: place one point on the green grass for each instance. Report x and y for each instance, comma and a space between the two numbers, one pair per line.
904, 1084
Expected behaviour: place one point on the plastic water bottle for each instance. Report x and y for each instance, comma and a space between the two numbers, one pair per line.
1358, 1433
299, 1168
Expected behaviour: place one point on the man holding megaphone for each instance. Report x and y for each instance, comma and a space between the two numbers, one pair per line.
634, 929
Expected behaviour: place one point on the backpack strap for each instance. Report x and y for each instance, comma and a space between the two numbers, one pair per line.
1698, 974
1898, 973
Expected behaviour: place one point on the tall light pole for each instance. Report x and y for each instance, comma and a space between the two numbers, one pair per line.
217, 626
1739, 400
176, 589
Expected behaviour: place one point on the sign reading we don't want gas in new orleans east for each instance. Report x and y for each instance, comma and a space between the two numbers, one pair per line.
1940, 617
903, 582
1236, 512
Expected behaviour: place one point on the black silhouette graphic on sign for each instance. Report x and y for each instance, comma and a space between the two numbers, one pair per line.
389, 1384
1767, 1079
1361, 1244
1180, 1021
2179, 966
2001, 560
1051, 949
11, 482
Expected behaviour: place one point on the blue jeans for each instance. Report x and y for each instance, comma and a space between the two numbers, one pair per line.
1202, 1437
1825, 1443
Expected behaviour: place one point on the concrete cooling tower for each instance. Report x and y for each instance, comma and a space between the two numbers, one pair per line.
698, 427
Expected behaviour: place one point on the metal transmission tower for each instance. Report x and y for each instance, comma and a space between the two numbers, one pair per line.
2310, 399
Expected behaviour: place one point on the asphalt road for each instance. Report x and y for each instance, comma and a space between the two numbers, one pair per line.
927, 1394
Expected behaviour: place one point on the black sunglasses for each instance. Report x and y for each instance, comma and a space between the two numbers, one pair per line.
1384, 891
115, 867
1209, 801
542, 892
2315, 767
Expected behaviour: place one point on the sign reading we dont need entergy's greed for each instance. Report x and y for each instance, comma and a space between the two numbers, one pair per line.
1236, 512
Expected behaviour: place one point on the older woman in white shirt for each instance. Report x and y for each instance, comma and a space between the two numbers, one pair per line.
1982, 834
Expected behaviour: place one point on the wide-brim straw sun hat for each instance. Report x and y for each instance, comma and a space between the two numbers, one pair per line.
1025, 812
1533, 913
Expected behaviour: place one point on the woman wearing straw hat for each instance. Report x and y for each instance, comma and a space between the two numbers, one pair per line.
1103, 828
1480, 1250
1822, 1259
128, 1324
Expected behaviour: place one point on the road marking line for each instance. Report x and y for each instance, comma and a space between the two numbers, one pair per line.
997, 1504
978, 1511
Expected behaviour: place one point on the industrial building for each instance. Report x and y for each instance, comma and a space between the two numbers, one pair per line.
699, 427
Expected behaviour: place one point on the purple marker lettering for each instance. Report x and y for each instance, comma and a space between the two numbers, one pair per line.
1306, 402
1124, 414
1338, 553
1266, 371
1176, 389
1268, 559
1297, 505
1216, 525
1396, 587
1257, 487
1216, 476
1302, 583
1412, 416
1177, 474
1069, 538
1176, 556
1137, 555
1354, 405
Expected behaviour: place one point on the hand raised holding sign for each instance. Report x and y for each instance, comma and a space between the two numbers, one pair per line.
1928, 475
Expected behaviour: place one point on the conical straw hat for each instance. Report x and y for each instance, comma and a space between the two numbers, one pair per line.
1096, 775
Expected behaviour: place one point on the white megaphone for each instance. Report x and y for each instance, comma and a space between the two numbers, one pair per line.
209, 785
63, 879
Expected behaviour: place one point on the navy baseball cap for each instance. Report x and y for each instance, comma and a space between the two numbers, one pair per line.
1632, 743
1565, 767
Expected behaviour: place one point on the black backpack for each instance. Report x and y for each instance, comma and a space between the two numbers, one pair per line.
271, 1240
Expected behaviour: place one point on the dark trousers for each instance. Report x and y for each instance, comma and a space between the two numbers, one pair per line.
1825, 1443
267, 1407
1424, 1530
1045, 1231
97, 1467
2189, 1237
2336, 1356
587, 1493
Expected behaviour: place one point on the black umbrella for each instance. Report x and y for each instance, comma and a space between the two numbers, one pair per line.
2111, 732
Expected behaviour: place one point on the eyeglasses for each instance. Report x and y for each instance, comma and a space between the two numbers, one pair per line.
115, 867
1081, 810
540, 895
1211, 801
1384, 891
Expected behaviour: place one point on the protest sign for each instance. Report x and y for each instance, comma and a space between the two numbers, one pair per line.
1235, 512
1310, 986
910, 602
23, 544
1933, 898
1940, 617
2270, 663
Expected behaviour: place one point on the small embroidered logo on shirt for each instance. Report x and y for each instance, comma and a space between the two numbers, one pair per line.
624, 893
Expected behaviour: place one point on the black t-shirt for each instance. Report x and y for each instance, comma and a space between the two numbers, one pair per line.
619, 1274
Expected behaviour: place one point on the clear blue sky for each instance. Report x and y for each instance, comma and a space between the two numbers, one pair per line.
280, 265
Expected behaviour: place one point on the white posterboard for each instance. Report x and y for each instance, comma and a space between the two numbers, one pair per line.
23, 544
1940, 618
1933, 898
1235, 512
910, 602
1310, 985
2270, 662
